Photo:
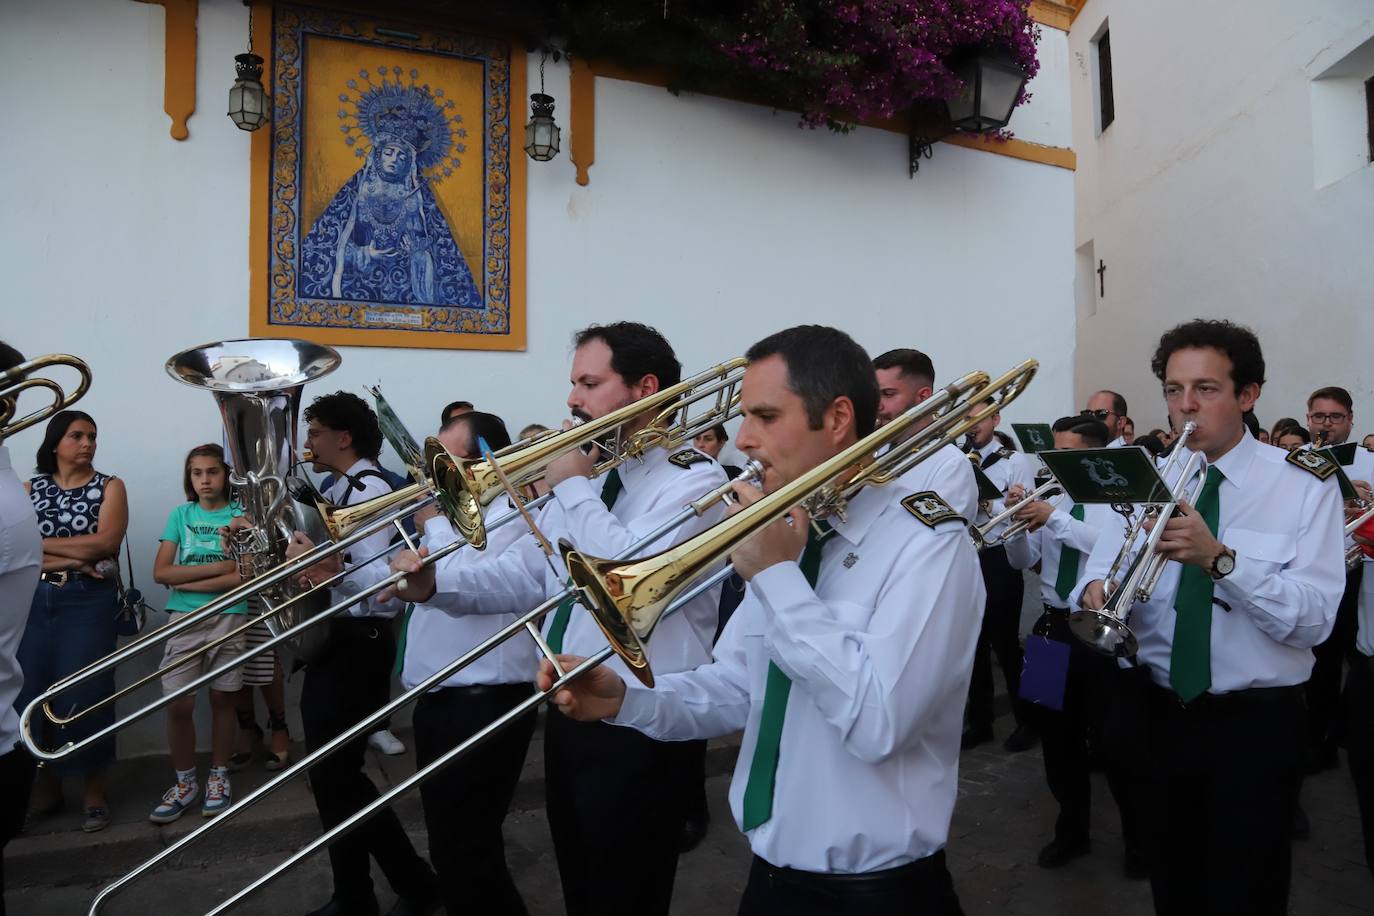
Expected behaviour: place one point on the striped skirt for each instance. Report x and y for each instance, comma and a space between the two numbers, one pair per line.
259, 670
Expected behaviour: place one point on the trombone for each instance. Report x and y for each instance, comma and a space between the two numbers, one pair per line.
656, 586
20, 378
981, 534
1106, 630
459, 486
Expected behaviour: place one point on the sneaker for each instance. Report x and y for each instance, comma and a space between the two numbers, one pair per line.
178, 798
386, 743
217, 795
97, 819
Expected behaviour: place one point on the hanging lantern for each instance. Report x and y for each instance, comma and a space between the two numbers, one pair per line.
247, 98
541, 133
992, 84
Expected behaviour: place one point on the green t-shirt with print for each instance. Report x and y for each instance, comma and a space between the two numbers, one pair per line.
195, 531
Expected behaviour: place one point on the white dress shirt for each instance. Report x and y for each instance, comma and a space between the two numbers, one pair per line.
21, 560
1285, 527
950, 474
342, 493
1118, 442
434, 637
1007, 468
1046, 544
519, 577
879, 655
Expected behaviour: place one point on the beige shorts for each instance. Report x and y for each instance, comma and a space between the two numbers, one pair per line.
195, 637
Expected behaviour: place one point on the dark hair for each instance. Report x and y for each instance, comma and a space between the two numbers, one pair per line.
9, 357
824, 364
1126, 419
1152, 444
913, 363
719, 430
455, 405
1237, 343
1091, 430
1008, 442
46, 459
486, 426
1118, 402
345, 412
637, 350
1252, 424
203, 451
1298, 431
1332, 393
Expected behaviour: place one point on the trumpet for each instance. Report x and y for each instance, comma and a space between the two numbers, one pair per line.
1356, 553
676, 407
20, 378
636, 596
1046, 485
1106, 630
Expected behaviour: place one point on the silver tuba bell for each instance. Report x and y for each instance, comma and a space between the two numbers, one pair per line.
257, 385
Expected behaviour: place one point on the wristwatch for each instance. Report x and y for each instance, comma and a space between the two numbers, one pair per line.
1223, 563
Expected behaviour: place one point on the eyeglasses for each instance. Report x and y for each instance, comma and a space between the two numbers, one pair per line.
1095, 414
1328, 417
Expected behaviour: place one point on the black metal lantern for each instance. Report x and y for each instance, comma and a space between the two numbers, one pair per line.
247, 98
992, 84
541, 134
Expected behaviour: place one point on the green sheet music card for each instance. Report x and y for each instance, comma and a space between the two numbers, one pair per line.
986, 488
1034, 437
1348, 490
398, 436
1343, 454
1107, 475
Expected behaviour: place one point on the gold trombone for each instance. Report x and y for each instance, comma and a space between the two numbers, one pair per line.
1107, 630
20, 378
628, 597
459, 487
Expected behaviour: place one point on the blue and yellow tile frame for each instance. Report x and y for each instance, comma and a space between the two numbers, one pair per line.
388, 200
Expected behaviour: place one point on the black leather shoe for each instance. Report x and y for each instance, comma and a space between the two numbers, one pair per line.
1134, 864
1302, 827
1023, 739
974, 736
1059, 853
360, 907
693, 832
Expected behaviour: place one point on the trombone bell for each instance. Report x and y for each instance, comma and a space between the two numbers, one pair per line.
604, 581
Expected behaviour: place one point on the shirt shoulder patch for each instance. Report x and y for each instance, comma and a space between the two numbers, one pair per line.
1319, 466
930, 509
687, 457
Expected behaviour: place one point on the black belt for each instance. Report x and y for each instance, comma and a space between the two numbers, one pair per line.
920, 870
1061, 611
461, 691
62, 576
1219, 704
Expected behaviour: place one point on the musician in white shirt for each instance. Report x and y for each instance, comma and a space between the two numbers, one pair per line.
846, 671
1227, 635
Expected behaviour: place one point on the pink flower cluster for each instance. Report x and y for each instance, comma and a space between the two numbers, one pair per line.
871, 59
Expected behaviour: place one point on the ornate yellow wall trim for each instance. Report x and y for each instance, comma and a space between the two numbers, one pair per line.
179, 77
1057, 14
1058, 156
582, 118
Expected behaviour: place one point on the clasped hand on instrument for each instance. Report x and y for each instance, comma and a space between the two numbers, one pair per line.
1035, 513
1186, 539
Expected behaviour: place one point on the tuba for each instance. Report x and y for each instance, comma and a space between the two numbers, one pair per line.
257, 385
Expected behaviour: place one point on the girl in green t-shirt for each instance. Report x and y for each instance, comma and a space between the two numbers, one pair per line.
191, 560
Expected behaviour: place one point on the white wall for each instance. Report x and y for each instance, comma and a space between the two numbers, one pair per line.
715, 221
1203, 196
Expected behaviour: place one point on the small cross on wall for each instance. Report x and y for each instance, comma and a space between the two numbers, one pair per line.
1101, 278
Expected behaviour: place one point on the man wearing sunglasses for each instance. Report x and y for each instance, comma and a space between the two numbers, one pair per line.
1109, 408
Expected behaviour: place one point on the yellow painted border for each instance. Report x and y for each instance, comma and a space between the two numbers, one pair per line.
258, 236
179, 63
1056, 14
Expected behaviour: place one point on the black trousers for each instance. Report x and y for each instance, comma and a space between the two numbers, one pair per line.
1324, 717
1102, 712
349, 679
1001, 634
16, 780
466, 802
1359, 736
1227, 770
922, 888
615, 809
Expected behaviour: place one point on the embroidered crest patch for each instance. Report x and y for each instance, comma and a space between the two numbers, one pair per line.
1317, 465
930, 509
687, 457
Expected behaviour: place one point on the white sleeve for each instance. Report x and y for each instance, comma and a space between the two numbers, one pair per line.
595, 530
1023, 550
470, 582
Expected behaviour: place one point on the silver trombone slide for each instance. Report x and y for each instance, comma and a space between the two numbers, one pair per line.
367, 724
154, 705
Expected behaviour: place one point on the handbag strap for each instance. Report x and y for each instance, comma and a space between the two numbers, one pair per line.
129, 559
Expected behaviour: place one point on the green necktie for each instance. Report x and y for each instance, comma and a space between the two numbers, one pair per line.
763, 767
609, 491
1068, 563
401, 642
1190, 664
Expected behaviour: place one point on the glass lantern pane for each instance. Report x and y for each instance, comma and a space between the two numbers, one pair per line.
1001, 85
961, 106
554, 135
